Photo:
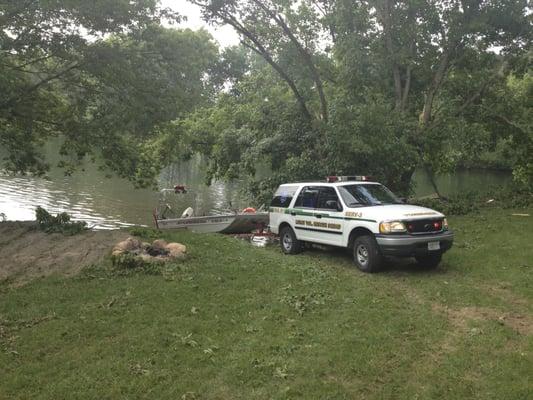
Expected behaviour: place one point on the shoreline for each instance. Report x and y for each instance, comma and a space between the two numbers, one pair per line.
28, 253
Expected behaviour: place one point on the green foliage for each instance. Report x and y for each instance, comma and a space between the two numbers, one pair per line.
399, 85
368, 139
472, 202
109, 80
317, 87
60, 223
127, 261
145, 233
127, 264
45, 48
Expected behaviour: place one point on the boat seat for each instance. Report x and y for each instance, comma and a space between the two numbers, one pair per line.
188, 213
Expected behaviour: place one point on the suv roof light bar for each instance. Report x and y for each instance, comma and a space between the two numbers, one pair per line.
347, 178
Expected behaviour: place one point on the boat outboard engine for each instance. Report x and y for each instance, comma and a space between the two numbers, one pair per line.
180, 189
188, 213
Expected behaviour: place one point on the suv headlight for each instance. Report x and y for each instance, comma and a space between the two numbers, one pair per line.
392, 227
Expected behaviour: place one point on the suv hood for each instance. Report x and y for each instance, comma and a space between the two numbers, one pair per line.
396, 212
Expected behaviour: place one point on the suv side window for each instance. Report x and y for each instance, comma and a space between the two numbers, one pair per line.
328, 194
307, 198
283, 196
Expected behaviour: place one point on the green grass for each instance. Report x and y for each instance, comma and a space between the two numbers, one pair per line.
238, 322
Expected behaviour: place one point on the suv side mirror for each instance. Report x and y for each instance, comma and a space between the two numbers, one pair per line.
333, 205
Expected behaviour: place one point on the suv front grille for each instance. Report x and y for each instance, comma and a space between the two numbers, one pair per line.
424, 226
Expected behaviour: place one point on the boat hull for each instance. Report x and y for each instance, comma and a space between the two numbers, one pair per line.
229, 223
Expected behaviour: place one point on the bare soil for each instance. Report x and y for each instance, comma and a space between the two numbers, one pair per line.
522, 323
27, 253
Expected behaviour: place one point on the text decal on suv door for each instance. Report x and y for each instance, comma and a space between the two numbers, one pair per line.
318, 224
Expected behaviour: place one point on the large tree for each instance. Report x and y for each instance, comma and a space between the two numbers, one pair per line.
101, 74
384, 86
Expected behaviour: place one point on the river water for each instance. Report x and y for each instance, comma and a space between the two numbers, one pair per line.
107, 203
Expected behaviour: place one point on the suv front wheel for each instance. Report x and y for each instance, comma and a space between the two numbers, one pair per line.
366, 254
289, 243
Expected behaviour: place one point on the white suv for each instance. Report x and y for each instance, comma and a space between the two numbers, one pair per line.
361, 215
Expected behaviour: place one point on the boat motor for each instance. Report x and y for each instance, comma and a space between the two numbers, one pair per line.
180, 189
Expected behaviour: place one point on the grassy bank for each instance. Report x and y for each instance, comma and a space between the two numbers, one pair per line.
238, 322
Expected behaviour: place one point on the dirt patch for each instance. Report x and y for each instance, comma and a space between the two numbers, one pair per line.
503, 292
27, 253
461, 317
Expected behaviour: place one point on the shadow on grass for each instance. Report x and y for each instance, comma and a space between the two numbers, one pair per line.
392, 265
397, 266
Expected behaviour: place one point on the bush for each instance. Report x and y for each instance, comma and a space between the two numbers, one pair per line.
145, 233
61, 223
470, 202
128, 263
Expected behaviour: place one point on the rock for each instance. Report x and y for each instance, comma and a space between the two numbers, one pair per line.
129, 244
176, 250
116, 253
158, 252
159, 244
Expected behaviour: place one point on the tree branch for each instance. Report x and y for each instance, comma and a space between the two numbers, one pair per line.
407, 87
385, 15
37, 85
303, 52
324, 13
505, 120
438, 78
21, 67
263, 52
412, 55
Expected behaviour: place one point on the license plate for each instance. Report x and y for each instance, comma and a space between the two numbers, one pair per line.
433, 246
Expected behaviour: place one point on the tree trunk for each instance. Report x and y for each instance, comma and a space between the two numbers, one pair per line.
385, 15
437, 81
263, 52
431, 177
286, 78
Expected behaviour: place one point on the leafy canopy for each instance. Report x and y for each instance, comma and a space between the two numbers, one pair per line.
377, 87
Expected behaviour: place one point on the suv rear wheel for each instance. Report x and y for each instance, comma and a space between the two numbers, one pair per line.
288, 241
366, 255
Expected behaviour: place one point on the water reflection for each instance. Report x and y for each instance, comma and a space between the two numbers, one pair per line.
108, 203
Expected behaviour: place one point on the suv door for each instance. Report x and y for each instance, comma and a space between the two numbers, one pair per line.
303, 212
329, 217
279, 205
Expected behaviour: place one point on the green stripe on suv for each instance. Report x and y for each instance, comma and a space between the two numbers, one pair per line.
312, 214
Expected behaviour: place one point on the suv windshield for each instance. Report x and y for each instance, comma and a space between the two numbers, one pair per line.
367, 195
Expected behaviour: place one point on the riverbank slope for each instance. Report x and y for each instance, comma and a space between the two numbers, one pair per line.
238, 322
27, 253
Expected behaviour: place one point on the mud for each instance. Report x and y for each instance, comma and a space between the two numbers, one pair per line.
27, 253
